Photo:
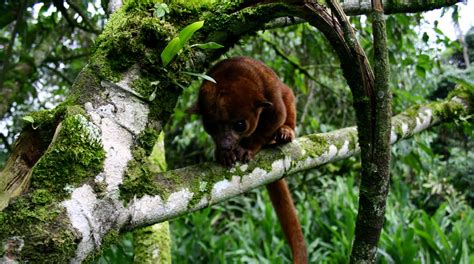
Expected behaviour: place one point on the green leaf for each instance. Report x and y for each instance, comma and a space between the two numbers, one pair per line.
420, 71
29, 119
424, 59
186, 33
426, 149
176, 44
209, 45
425, 37
205, 77
161, 9
170, 51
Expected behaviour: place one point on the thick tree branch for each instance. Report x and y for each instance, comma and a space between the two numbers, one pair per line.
359, 7
374, 184
205, 184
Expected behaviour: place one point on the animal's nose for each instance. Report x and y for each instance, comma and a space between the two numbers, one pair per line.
226, 142
226, 145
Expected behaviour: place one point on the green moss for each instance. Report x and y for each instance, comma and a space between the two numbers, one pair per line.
447, 110
141, 173
157, 156
202, 187
134, 5
353, 143
76, 155
318, 145
413, 111
162, 108
33, 217
153, 237
143, 86
86, 86
130, 38
42, 196
464, 92
138, 181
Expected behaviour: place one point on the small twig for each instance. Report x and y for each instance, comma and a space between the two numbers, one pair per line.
295, 64
68, 58
72, 22
84, 16
59, 73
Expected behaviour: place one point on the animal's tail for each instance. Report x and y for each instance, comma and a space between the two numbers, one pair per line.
286, 212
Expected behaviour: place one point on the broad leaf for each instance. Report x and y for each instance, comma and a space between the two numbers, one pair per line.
170, 51
186, 33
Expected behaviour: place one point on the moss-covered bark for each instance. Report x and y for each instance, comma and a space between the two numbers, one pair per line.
152, 244
205, 184
375, 176
37, 219
357, 7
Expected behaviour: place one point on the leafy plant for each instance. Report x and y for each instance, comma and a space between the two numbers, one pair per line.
160, 10
177, 43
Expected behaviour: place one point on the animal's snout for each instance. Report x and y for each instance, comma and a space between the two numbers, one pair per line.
226, 142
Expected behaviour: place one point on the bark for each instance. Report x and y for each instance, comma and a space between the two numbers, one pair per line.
152, 244
358, 7
374, 184
91, 175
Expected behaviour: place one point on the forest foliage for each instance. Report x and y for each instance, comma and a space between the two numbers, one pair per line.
429, 215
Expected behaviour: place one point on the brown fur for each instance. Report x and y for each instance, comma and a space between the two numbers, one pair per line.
248, 108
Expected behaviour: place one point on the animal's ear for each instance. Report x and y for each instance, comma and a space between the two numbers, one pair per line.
193, 109
265, 104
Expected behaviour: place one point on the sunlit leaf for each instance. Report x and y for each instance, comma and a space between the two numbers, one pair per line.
186, 33
209, 45
420, 71
205, 77
177, 43
170, 51
29, 119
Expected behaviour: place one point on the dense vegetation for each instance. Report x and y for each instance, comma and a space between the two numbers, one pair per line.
429, 213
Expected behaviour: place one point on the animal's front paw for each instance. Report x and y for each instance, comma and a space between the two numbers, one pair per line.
225, 157
230, 157
284, 134
243, 155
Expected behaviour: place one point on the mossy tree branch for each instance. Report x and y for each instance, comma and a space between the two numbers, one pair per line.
198, 186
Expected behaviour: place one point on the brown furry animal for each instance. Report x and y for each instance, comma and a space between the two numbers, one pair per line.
247, 108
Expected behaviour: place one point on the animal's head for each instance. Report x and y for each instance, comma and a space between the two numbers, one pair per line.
230, 111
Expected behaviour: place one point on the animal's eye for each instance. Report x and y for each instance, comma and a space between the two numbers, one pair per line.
240, 126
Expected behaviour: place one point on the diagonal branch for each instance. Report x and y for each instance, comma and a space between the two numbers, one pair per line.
201, 185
